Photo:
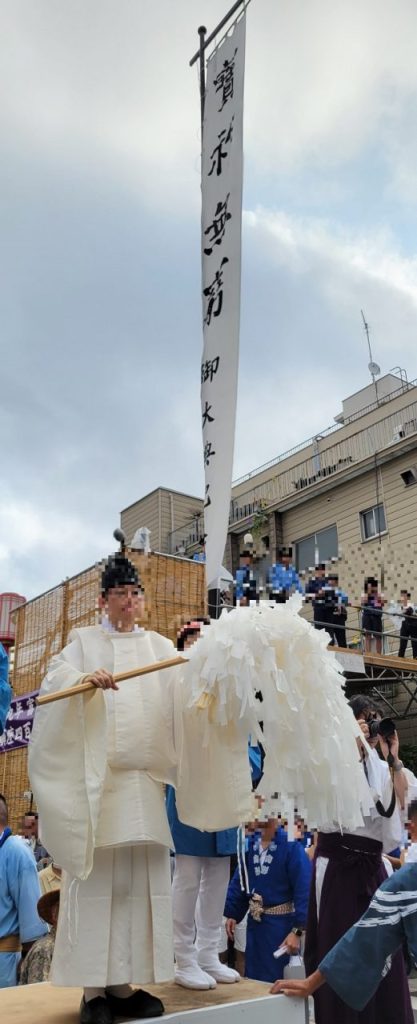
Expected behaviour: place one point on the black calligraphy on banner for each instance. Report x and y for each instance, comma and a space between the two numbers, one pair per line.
216, 230
206, 415
219, 152
214, 294
208, 453
209, 369
224, 82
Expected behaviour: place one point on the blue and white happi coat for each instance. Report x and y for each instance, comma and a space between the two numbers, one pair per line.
362, 958
282, 874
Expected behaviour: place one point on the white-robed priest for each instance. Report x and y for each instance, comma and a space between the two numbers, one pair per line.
97, 763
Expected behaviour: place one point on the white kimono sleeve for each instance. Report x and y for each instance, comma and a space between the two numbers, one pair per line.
62, 759
214, 788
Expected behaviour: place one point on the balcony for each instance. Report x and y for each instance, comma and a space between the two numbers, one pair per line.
324, 464
187, 539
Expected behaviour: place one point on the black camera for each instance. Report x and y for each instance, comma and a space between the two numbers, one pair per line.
385, 727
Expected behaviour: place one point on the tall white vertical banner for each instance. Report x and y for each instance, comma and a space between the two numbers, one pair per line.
222, 179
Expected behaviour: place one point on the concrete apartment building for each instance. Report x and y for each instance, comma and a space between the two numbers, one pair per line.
347, 494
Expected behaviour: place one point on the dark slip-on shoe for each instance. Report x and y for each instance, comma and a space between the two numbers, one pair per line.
96, 1011
139, 1004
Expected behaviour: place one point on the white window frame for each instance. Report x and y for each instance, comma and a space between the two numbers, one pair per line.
379, 533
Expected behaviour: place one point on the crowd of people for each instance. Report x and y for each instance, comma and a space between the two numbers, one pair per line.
320, 588
322, 892
103, 920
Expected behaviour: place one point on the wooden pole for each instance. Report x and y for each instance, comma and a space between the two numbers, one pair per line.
49, 698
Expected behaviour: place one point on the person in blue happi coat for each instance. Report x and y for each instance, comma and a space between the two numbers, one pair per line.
283, 578
276, 895
361, 961
20, 923
5, 689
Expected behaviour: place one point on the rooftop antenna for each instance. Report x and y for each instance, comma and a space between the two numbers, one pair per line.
373, 368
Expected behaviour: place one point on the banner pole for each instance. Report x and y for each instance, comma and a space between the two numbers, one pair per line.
202, 33
218, 29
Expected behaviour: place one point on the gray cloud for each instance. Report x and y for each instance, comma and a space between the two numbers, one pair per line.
100, 258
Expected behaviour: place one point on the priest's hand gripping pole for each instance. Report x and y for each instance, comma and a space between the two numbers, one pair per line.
49, 698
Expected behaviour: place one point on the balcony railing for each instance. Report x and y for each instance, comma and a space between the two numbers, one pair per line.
186, 537
325, 463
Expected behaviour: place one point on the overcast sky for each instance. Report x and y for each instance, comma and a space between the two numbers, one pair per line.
100, 250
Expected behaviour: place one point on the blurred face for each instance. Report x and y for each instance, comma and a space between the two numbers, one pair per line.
190, 640
285, 561
124, 606
412, 829
30, 826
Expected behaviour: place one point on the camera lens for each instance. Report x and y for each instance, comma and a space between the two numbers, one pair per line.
386, 728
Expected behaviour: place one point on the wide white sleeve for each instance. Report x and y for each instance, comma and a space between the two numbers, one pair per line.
411, 789
214, 782
392, 828
67, 764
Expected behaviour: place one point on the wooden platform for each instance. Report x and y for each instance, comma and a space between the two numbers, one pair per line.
380, 660
247, 1002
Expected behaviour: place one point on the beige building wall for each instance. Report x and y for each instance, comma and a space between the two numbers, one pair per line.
162, 511
394, 560
145, 512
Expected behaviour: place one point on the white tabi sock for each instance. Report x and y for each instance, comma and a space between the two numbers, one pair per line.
94, 993
220, 972
121, 991
192, 976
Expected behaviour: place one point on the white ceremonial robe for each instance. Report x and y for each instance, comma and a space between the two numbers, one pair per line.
97, 764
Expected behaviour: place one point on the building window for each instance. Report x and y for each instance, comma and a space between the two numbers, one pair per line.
318, 547
373, 522
409, 476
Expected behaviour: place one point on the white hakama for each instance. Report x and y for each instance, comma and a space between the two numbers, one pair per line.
116, 926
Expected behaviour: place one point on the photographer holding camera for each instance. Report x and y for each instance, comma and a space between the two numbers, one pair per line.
349, 868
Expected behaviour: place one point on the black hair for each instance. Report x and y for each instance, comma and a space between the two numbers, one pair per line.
3, 801
360, 703
320, 565
119, 572
412, 809
190, 629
